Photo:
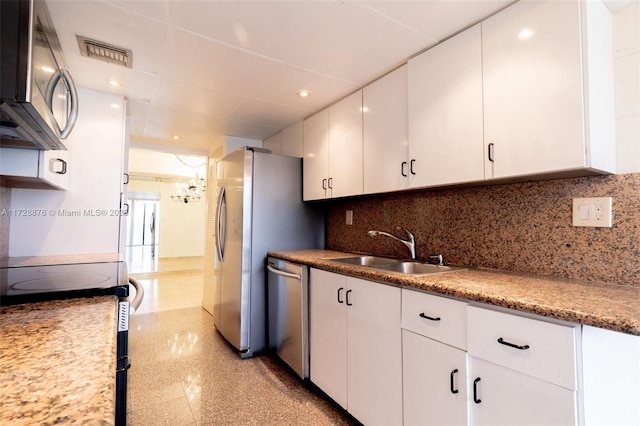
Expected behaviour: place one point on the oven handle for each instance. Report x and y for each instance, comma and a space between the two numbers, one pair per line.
135, 303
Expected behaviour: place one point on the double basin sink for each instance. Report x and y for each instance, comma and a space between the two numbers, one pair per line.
409, 267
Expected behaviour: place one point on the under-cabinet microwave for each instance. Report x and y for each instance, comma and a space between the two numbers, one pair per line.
38, 99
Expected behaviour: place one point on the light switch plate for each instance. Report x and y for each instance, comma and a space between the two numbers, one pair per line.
596, 212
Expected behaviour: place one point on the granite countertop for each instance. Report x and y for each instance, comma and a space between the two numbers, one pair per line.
607, 306
58, 362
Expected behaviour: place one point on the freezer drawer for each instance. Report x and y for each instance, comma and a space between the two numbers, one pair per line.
288, 313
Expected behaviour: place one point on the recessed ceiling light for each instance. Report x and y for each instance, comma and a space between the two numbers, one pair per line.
303, 93
525, 34
114, 83
175, 137
115, 106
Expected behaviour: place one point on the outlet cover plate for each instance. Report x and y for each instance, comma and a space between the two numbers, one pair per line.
596, 212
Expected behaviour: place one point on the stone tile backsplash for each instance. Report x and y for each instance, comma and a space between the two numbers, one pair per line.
524, 227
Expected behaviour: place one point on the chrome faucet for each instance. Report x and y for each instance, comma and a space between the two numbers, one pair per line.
410, 242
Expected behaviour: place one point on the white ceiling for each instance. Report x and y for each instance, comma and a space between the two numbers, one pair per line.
202, 69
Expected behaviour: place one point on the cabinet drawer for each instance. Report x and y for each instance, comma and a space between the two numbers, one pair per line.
436, 317
534, 347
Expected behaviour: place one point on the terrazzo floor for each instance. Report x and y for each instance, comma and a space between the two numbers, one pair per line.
184, 373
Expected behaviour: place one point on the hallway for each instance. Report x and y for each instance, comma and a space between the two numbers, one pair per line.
184, 373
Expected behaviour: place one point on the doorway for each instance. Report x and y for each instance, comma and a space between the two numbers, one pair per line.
142, 234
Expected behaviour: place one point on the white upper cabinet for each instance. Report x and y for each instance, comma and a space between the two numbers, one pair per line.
291, 142
543, 111
287, 142
445, 112
333, 150
345, 146
273, 143
385, 133
316, 157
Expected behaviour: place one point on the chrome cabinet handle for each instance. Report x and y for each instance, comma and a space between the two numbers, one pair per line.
512, 345
347, 294
324, 184
62, 171
330, 182
411, 166
339, 290
402, 166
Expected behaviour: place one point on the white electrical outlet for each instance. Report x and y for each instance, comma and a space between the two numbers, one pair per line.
595, 212
349, 217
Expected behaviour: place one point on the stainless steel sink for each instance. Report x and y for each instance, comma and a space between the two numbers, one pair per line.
364, 260
409, 267
415, 268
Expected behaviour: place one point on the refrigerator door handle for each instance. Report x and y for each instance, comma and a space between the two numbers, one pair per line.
220, 226
283, 273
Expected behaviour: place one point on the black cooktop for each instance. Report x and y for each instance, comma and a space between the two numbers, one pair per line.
22, 284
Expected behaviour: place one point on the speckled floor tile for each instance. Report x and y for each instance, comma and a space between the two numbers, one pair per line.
186, 361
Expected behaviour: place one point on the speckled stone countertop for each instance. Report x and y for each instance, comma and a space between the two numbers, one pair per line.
58, 362
605, 306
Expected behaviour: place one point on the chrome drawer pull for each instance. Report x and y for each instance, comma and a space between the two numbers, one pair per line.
422, 315
513, 345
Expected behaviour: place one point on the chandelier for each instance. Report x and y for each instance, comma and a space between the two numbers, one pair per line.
190, 191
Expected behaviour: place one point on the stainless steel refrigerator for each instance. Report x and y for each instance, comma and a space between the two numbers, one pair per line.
259, 209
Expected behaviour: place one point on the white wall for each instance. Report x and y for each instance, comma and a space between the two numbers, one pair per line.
146, 162
626, 39
181, 227
95, 176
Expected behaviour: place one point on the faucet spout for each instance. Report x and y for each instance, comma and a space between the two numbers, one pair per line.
410, 242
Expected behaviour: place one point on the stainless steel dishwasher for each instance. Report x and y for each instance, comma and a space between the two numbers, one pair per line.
288, 310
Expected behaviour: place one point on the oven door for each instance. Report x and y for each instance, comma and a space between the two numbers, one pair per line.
123, 362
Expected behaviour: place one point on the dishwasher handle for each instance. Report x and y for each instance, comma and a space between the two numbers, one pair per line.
277, 271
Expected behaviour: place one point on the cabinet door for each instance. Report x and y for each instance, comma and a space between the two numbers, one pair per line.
345, 146
316, 156
328, 334
385, 133
506, 397
445, 112
533, 98
54, 167
292, 140
273, 143
434, 382
374, 351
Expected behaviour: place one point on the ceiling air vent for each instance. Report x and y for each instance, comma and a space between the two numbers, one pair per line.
104, 52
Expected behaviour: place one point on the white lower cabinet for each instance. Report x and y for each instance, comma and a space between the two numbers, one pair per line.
434, 382
501, 396
434, 360
522, 371
355, 345
390, 356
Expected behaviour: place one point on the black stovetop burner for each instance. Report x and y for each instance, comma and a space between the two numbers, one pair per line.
23, 284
